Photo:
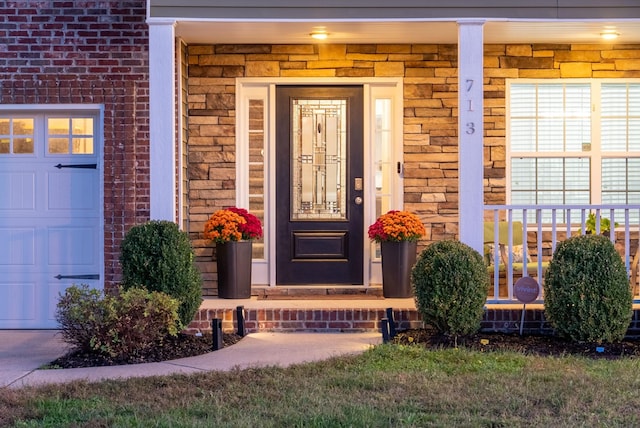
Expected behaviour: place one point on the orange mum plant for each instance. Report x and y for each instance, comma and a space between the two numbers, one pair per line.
232, 224
396, 226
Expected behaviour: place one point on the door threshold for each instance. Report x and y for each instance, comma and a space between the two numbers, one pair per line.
317, 291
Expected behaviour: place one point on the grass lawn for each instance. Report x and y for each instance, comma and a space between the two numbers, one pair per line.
388, 386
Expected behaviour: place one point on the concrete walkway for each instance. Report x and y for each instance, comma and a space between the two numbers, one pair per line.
22, 352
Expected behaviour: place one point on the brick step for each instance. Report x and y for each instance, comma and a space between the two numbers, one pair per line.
319, 316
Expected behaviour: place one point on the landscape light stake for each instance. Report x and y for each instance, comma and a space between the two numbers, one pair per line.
392, 323
216, 330
240, 317
384, 326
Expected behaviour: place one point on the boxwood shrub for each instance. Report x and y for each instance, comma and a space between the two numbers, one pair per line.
450, 284
586, 290
158, 256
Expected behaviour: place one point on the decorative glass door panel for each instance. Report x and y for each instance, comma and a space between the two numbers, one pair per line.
319, 185
318, 159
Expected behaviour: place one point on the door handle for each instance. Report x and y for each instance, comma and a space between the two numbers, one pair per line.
358, 200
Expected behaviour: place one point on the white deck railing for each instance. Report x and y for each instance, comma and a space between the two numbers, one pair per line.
546, 225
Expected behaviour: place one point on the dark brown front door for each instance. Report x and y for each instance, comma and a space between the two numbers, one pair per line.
319, 185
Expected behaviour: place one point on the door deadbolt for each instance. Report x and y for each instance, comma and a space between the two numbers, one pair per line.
357, 183
358, 200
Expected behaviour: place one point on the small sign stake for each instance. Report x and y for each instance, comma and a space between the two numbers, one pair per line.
526, 290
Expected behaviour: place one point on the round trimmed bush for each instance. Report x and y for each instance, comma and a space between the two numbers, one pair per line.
450, 285
587, 297
158, 256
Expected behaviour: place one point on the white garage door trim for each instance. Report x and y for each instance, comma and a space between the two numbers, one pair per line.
41, 229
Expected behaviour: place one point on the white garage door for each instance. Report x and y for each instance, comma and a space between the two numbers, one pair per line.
50, 212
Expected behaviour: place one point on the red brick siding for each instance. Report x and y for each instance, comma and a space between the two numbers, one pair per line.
88, 52
355, 319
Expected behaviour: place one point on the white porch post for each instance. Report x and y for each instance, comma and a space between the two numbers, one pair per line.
470, 132
162, 120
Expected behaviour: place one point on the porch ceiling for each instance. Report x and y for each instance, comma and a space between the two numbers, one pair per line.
403, 32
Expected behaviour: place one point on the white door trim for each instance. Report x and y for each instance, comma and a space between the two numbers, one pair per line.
264, 271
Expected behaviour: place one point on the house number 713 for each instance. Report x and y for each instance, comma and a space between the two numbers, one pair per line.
471, 128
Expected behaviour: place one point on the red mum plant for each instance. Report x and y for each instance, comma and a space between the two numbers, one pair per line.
232, 224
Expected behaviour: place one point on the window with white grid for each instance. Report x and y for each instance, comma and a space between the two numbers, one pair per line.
573, 142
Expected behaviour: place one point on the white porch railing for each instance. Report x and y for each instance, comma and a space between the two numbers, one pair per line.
543, 226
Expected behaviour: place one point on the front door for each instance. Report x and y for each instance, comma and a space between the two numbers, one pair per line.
319, 185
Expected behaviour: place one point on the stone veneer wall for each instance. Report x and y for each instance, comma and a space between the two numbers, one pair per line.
430, 114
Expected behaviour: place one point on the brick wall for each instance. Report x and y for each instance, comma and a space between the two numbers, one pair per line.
89, 52
494, 319
430, 113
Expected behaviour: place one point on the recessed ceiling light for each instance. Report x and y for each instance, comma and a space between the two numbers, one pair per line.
319, 33
609, 34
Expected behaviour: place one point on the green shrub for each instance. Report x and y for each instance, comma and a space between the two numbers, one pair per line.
586, 290
115, 325
158, 256
450, 285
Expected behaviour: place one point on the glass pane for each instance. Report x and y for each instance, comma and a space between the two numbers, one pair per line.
550, 174
550, 135
577, 100
614, 175
4, 145
523, 174
82, 146
82, 126
550, 100
256, 137
523, 135
634, 99
634, 134
58, 145
577, 174
633, 174
614, 135
23, 145
578, 134
523, 100
5, 127
58, 126
318, 159
23, 126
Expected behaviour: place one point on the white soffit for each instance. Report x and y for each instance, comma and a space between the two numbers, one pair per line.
404, 32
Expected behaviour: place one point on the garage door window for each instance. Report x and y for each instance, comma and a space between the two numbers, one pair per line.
16, 135
70, 135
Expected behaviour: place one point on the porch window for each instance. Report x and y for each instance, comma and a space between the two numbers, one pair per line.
573, 142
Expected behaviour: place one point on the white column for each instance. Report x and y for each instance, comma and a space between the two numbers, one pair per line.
470, 132
162, 120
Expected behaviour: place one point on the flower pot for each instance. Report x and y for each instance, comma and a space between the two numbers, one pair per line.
398, 259
234, 269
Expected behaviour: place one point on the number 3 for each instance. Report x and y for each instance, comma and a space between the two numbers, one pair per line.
471, 128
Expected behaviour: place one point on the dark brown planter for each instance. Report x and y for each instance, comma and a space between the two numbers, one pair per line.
397, 260
234, 269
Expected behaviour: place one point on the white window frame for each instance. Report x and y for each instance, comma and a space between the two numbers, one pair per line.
595, 154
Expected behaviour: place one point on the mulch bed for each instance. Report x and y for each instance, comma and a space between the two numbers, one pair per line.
525, 344
181, 346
